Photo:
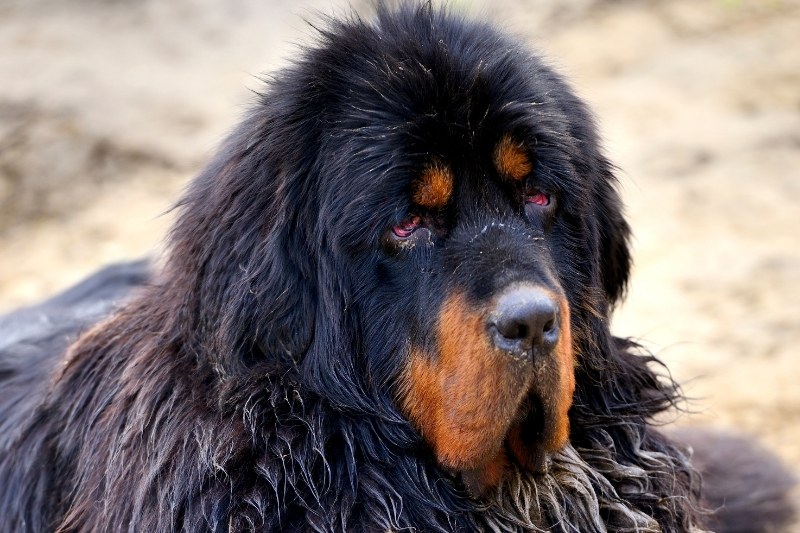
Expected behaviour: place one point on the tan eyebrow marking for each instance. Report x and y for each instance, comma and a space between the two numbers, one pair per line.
511, 159
434, 187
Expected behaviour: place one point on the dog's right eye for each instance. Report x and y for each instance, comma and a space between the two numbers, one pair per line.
406, 228
412, 231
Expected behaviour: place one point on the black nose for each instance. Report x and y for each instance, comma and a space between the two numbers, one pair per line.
524, 322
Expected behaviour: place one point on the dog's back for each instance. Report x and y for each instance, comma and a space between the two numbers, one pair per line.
32, 345
32, 339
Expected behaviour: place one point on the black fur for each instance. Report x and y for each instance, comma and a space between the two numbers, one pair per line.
251, 384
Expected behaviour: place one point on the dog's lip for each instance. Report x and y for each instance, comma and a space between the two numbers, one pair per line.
530, 417
532, 458
538, 464
523, 375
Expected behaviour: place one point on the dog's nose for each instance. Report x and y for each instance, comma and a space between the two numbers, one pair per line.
524, 322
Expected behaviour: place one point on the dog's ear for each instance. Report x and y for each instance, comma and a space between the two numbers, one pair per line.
240, 258
614, 234
273, 310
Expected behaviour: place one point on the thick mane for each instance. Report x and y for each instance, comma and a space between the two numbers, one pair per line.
235, 392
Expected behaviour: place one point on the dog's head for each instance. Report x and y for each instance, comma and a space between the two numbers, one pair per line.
416, 219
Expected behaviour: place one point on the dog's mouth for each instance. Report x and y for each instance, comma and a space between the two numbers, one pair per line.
485, 410
528, 440
531, 439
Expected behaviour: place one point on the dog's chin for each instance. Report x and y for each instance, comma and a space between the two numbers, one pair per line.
523, 447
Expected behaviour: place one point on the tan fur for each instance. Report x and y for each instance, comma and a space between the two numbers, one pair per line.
565, 361
464, 399
460, 399
511, 159
435, 186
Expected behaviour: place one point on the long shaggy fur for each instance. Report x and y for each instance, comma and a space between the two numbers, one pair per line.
251, 384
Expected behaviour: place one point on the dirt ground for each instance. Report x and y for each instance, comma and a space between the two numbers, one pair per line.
108, 107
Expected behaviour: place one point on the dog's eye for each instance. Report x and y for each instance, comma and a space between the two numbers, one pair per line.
410, 233
537, 197
407, 227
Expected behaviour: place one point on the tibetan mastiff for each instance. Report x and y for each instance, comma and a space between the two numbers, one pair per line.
384, 307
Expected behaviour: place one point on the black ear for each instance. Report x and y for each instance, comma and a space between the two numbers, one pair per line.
273, 309
240, 259
614, 232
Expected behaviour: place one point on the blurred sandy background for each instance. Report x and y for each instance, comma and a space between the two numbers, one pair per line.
108, 107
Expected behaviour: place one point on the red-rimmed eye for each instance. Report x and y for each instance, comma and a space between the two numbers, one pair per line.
537, 198
407, 227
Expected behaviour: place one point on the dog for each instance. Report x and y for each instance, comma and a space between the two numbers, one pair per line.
385, 306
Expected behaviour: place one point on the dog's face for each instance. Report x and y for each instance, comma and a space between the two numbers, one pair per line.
490, 364
465, 202
441, 230
467, 263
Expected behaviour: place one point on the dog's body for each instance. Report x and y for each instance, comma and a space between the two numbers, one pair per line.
385, 306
